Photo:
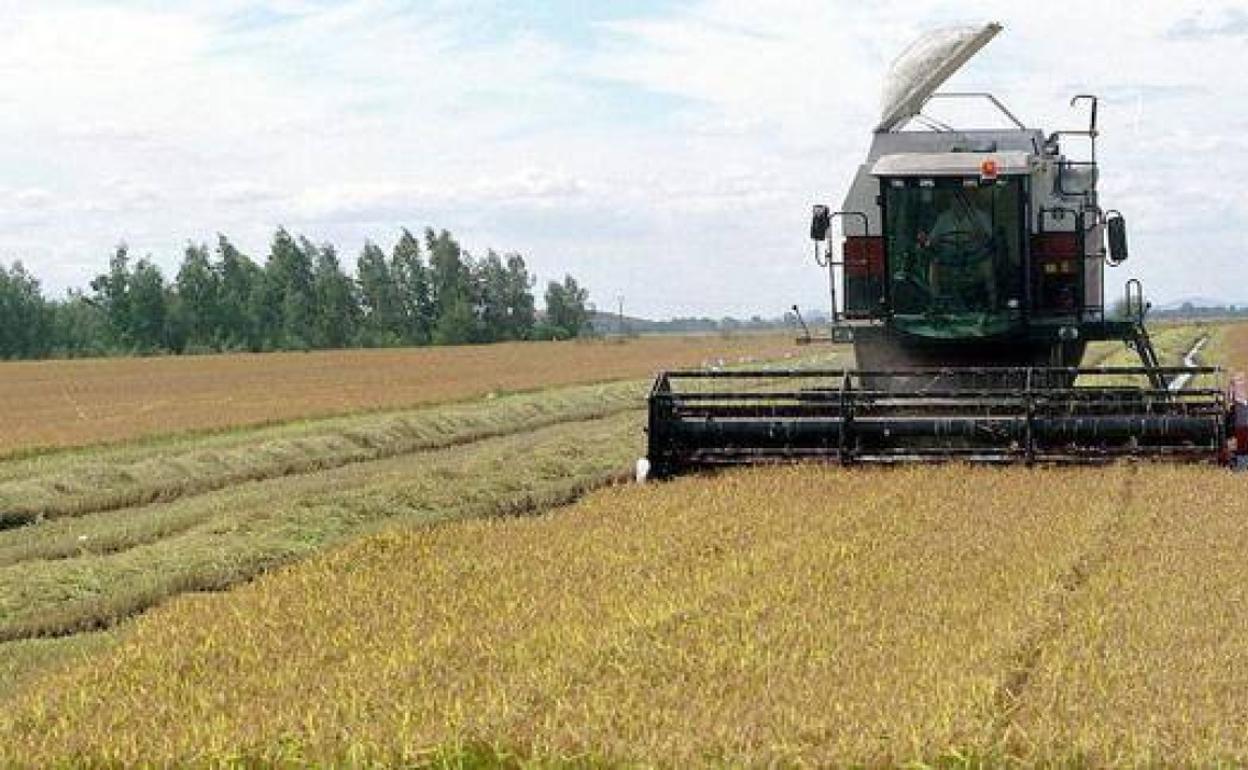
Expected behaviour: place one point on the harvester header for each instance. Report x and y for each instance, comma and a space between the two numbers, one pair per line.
970, 279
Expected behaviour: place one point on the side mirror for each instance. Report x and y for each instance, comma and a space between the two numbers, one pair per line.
820, 223
1117, 237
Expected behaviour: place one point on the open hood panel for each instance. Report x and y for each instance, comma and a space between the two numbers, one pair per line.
924, 66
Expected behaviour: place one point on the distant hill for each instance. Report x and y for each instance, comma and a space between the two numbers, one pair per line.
1197, 302
1200, 307
609, 323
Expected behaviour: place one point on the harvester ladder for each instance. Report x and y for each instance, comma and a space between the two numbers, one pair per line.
1136, 308
1143, 345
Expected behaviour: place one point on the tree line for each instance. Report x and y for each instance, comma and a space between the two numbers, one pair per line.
300, 298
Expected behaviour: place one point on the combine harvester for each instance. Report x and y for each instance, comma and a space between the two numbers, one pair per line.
972, 279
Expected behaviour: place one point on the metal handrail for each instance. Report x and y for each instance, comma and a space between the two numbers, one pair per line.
977, 95
932, 371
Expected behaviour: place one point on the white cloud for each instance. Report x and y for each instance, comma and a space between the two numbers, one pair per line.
683, 143
32, 198
243, 192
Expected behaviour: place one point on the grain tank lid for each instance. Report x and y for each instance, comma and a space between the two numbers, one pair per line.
963, 164
924, 66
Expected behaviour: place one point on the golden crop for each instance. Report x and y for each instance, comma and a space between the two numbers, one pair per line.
1235, 345
793, 616
1150, 662
774, 616
74, 403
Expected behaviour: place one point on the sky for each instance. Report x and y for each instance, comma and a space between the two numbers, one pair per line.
663, 152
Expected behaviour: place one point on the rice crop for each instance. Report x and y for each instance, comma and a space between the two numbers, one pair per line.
1151, 665
776, 617
769, 617
75, 403
23, 662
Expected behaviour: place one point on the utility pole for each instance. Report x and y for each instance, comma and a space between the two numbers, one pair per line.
620, 299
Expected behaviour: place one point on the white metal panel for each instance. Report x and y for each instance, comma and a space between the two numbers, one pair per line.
924, 66
950, 163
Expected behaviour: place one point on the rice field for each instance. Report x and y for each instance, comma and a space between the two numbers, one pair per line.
76, 403
91, 536
355, 589
774, 617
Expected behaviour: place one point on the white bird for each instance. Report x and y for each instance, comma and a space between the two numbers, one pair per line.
643, 470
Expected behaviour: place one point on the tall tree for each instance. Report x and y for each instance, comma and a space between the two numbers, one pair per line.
567, 311
337, 309
451, 289
380, 302
25, 318
148, 305
430, 291
111, 293
239, 277
490, 280
418, 310
521, 308
199, 308
288, 291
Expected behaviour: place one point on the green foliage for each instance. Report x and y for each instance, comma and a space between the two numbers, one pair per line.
222, 300
199, 299
112, 296
336, 314
417, 313
505, 299
241, 280
26, 321
289, 270
567, 309
457, 324
78, 327
450, 272
381, 305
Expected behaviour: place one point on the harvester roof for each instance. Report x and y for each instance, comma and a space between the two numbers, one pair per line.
950, 163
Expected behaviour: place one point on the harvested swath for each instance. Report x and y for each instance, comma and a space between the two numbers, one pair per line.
114, 565
74, 403
71, 484
769, 616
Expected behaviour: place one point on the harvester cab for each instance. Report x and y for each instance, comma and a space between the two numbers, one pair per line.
970, 280
973, 247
